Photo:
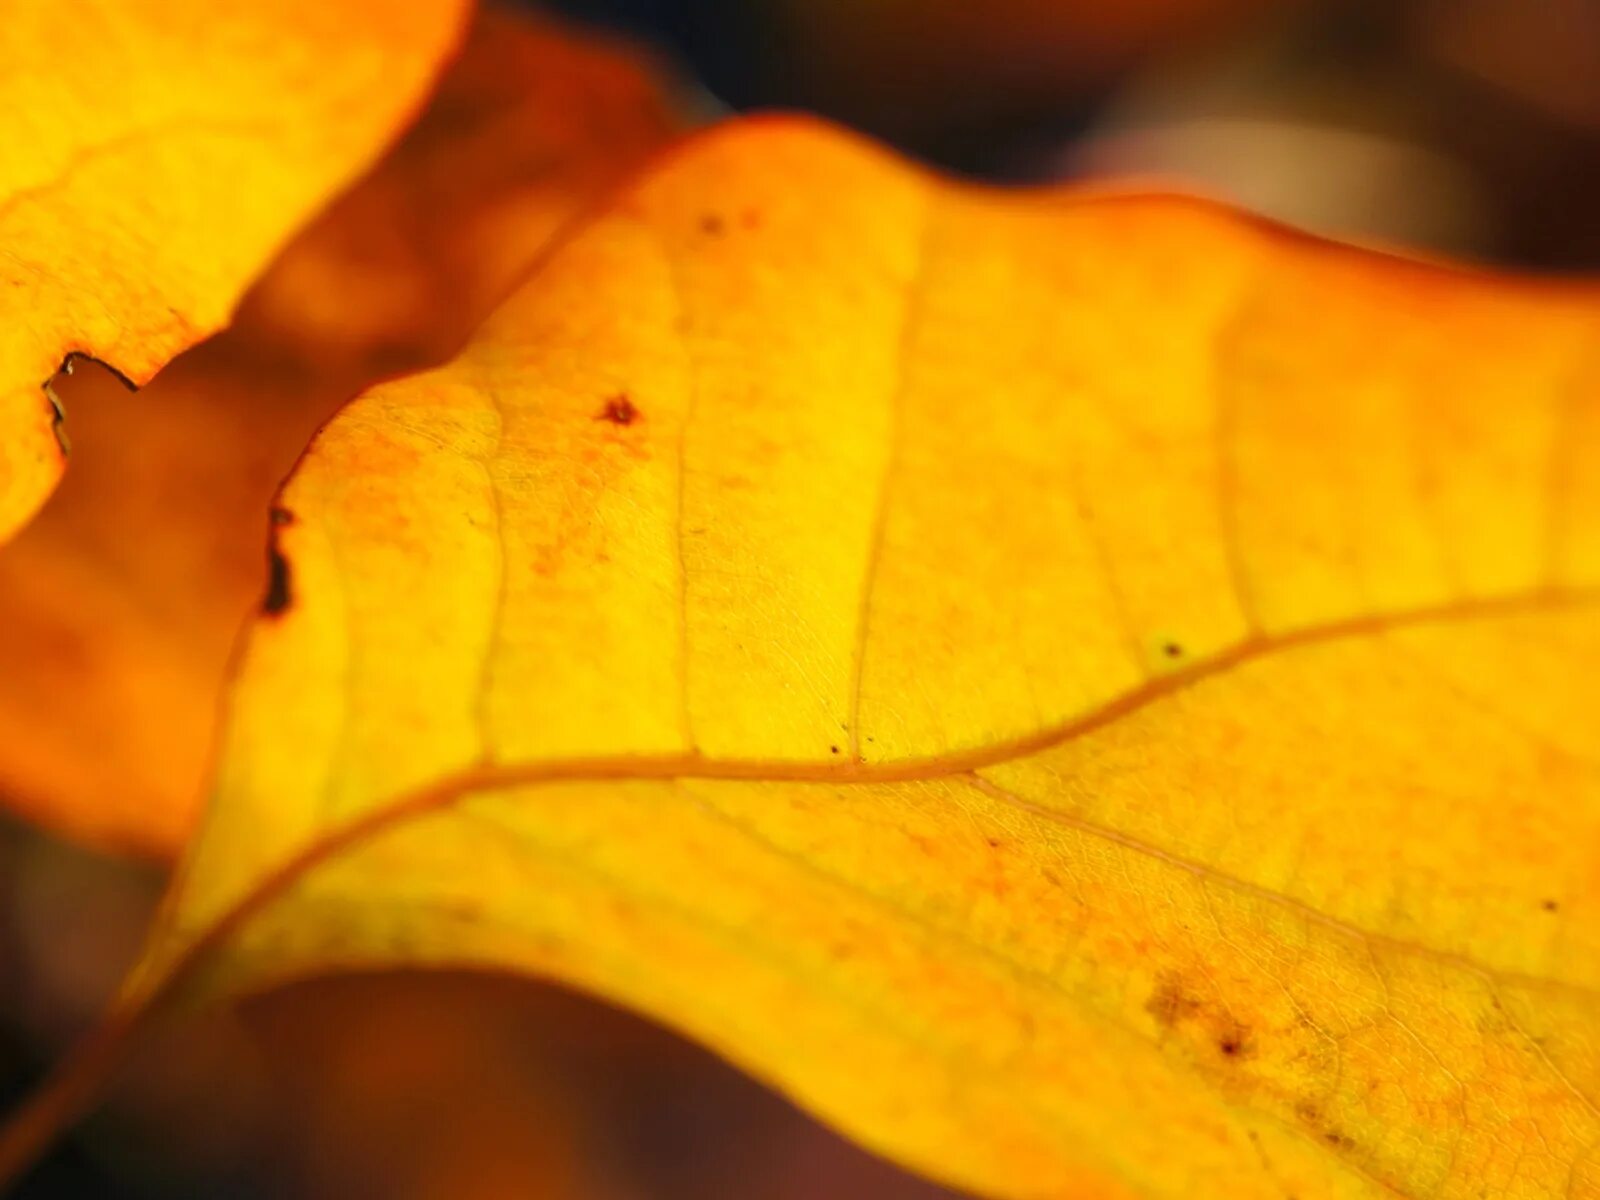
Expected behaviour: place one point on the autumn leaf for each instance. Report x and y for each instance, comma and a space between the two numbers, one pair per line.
125, 596
155, 159
1092, 695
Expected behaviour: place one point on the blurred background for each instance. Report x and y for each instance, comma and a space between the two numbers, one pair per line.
1463, 127
1470, 126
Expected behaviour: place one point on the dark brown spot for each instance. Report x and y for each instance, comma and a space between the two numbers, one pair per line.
1339, 1140
1172, 650
1233, 1039
713, 224
833, 749
278, 598
1550, 906
619, 410
994, 843
281, 516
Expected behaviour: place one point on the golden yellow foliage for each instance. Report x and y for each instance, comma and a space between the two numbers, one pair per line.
155, 155
1092, 695
123, 598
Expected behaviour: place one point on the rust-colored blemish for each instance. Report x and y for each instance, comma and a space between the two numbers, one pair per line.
1171, 1002
619, 410
1233, 1040
1312, 1115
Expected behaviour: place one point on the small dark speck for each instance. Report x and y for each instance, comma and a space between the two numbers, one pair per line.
277, 598
1229, 1046
619, 410
713, 224
282, 516
1172, 650
1550, 906
833, 749
994, 843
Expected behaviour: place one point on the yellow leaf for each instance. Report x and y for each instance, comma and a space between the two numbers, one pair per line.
125, 595
154, 157
1092, 695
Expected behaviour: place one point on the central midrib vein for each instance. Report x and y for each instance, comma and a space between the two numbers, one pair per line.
488, 776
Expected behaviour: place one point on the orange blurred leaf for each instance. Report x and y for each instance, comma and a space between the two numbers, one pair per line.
120, 604
534, 122
430, 1087
1092, 695
155, 156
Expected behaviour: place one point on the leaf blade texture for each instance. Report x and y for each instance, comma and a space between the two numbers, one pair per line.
1092, 695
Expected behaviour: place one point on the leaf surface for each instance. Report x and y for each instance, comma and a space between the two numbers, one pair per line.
154, 157
1092, 695
124, 596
